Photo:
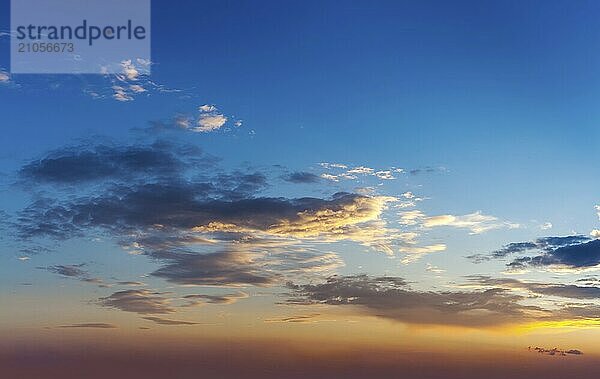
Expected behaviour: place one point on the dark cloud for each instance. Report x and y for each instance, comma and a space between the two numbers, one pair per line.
390, 297
575, 251
426, 170
74, 271
574, 352
67, 270
559, 290
164, 321
238, 185
92, 162
216, 269
302, 177
181, 205
138, 301
203, 226
575, 256
94, 325
130, 283
555, 351
296, 319
589, 280
252, 266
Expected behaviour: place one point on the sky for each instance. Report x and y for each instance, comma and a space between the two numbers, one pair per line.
310, 189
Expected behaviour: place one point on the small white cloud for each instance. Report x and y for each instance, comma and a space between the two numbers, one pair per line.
130, 70
546, 226
23, 259
433, 269
385, 175
207, 108
137, 88
120, 94
210, 119
333, 178
332, 165
210, 122
361, 170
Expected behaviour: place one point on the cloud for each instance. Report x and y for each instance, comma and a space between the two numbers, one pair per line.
493, 303
96, 162
132, 80
575, 252
164, 321
434, 269
130, 283
415, 253
476, 222
255, 266
555, 351
300, 177
576, 256
560, 290
93, 325
220, 204
337, 172
545, 244
209, 120
299, 319
361, 170
216, 269
226, 299
121, 94
390, 297
427, 170
74, 271
138, 301
67, 270
328, 166
202, 225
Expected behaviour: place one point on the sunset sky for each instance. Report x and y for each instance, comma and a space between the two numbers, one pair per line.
305, 189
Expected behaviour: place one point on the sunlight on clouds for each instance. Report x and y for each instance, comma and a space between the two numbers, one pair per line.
415, 253
476, 222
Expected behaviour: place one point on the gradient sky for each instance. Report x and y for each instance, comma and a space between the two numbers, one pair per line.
400, 179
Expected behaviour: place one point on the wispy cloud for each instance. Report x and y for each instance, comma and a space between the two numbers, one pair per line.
476, 222
91, 325
166, 321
